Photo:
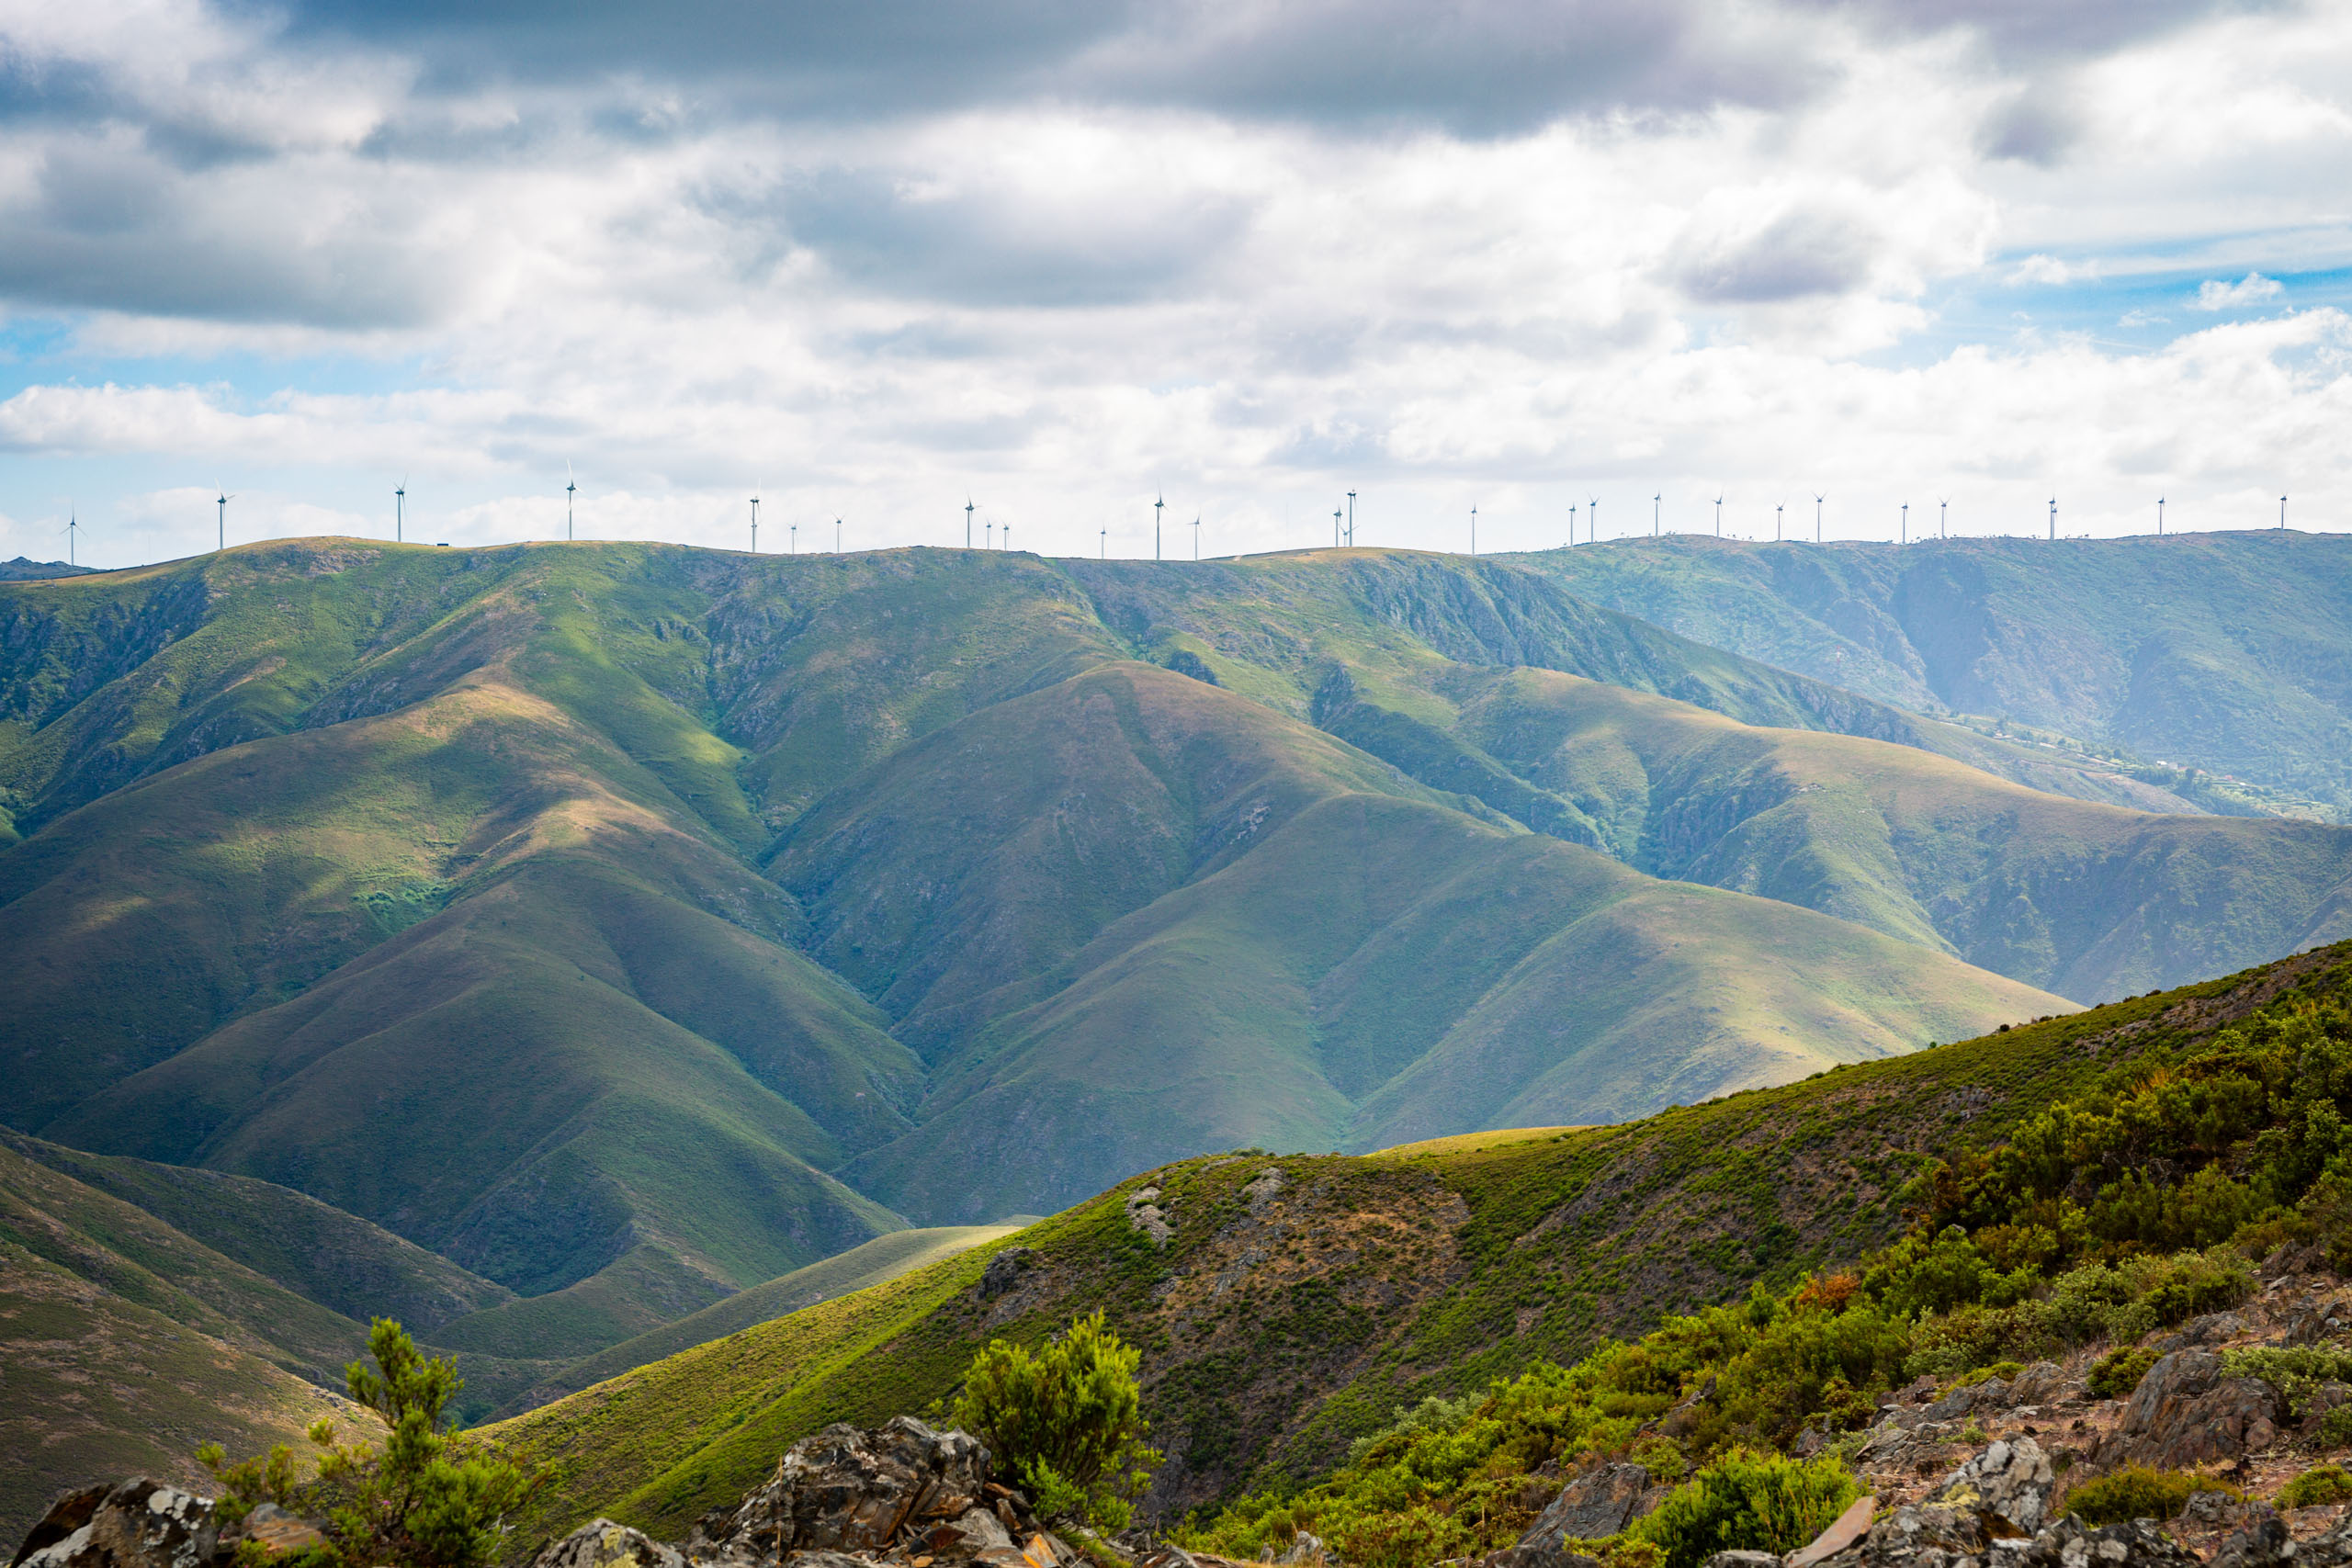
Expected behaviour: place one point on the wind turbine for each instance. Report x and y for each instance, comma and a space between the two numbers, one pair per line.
1351, 520
1817, 500
399, 508
1658, 504
1719, 517
1105, 546
2160, 517
968, 521
571, 489
837, 535
988, 523
1943, 515
1008, 536
2282, 511
73, 526
1592, 520
1778, 507
1904, 537
222, 503
1473, 531
1155, 526
1335, 527
2053, 517
1196, 533
791, 539
755, 521
1572, 525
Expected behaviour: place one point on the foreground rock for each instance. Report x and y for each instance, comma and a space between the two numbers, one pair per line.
133, 1524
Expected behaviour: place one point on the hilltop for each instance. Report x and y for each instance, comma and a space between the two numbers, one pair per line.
2226, 652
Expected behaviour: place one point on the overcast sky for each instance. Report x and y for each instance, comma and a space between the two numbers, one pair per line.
1064, 256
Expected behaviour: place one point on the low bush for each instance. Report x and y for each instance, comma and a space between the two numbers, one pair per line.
2117, 1373
2320, 1484
1746, 1501
1068, 1421
2139, 1492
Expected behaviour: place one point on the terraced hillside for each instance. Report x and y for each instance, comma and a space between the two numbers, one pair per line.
1297, 1300
2226, 651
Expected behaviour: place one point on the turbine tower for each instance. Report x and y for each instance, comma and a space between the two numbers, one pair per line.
837, 535
755, 521
2053, 518
1719, 517
791, 539
1943, 515
73, 526
968, 521
1572, 525
1155, 526
1904, 537
400, 507
1817, 500
2160, 517
571, 489
1592, 520
1196, 533
1105, 546
988, 523
1335, 527
1778, 507
222, 503
1658, 504
2282, 511
1473, 531
1351, 520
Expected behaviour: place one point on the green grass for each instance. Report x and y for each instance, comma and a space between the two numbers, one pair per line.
2226, 651
1426, 1270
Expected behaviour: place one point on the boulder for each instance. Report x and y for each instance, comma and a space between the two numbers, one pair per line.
600, 1543
848, 1489
2010, 1481
1844, 1532
1597, 1504
132, 1524
1004, 1270
2184, 1412
2263, 1544
1743, 1560
2039, 1383
2071, 1544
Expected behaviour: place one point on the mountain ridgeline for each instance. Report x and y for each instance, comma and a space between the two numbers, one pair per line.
630, 925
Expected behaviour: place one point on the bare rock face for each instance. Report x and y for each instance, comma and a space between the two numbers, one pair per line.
1004, 1270
1597, 1504
852, 1490
2010, 1481
2070, 1544
2186, 1413
133, 1524
604, 1544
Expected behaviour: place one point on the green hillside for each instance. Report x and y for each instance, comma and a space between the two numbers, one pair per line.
1301, 1299
631, 925
2088, 901
2229, 652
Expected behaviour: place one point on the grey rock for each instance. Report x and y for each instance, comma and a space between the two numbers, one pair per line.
1597, 1504
2039, 1384
1144, 1214
132, 1524
2012, 1481
600, 1543
1743, 1560
2140, 1544
851, 1489
1305, 1551
2184, 1412
2263, 1544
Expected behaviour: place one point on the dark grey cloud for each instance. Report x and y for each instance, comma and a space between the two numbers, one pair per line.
2032, 31
2038, 125
1799, 254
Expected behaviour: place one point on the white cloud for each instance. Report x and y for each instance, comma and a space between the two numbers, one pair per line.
2252, 289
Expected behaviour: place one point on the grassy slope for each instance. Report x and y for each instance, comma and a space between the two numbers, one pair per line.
1274, 1331
2090, 900
334, 1259
876, 1262
2225, 651
1235, 930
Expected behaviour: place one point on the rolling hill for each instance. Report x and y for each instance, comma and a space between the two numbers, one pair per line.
2229, 652
1300, 1300
631, 925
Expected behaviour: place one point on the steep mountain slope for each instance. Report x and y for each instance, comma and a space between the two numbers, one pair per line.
2090, 900
125, 1343
2228, 651
1209, 893
1300, 1299
623, 921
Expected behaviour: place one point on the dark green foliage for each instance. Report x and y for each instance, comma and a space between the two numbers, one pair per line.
2117, 1373
1068, 1420
422, 1500
1747, 1502
2139, 1491
2320, 1484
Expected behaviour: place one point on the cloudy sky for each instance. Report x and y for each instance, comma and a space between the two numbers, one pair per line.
1064, 256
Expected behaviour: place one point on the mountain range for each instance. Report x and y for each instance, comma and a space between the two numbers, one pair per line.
628, 926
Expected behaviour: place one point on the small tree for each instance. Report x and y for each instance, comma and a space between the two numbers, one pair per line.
421, 1502
1068, 1421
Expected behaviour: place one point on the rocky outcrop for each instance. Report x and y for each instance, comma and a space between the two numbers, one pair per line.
2186, 1413
604, 1544
2010, 1482
852, 1490
132, 1524
1595, 1505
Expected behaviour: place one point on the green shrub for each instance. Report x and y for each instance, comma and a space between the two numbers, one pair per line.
2295, 1370
2117, 1373
2320, 1484
1748, 1501
2139, 1491
1068, 1421
421, 1502
2335, 1427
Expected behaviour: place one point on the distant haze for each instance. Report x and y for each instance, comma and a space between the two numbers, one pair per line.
1065, 259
